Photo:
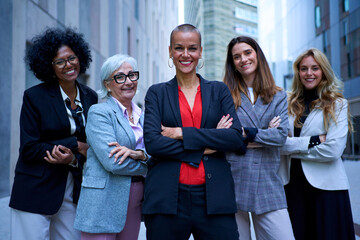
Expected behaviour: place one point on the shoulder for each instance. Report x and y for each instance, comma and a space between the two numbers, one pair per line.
161, 88
215, 85
102, 107
340, 104
281, 94
87, 90
36, 89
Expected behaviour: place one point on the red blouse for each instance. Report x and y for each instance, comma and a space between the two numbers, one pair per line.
189, 174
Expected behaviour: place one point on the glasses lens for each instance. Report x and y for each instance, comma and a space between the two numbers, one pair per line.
134, 76
72, 59
120, 78
60, 63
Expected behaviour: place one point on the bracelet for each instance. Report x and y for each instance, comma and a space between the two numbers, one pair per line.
145, 154
73, 162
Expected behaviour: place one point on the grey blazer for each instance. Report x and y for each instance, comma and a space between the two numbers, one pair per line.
105, 188
258, 187
322, 164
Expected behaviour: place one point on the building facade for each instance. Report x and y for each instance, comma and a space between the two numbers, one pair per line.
288, 28
219, 21
139, 28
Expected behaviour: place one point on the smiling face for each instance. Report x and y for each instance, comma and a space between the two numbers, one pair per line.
245, 60
310, 73
185, 51
124, 92
69, 72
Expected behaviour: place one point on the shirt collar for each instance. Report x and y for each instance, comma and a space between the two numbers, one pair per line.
65, 96
136, 111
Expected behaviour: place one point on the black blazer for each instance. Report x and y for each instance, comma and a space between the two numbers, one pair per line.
161, 184
38, 185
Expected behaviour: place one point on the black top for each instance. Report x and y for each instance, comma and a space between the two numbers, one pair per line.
309, 97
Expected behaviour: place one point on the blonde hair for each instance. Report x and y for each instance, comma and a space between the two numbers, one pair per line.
329, 90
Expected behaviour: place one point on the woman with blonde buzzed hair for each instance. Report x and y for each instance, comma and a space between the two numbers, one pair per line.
317, 185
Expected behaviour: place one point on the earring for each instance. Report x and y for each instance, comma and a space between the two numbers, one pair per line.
172, 63
201, 64
109, 90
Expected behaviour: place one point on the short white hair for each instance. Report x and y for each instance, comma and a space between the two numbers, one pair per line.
109, 66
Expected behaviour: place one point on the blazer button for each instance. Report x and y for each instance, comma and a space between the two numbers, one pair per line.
209, 175
205, 158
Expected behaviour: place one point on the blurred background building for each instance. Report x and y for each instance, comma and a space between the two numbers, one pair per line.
140, 28
287, 28
219, 21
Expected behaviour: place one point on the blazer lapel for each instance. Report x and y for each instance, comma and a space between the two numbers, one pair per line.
84, 99
173, 97
58, 103
205, 98
123, 121
260, 108
249, 109
309, 118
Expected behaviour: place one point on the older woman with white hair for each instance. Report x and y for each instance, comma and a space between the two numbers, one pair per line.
112, 189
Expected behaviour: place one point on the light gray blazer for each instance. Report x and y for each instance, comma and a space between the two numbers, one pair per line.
258, 187
322, 164
105, 188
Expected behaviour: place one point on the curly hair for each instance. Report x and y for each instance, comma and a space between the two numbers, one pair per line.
264, 84
44, 48
329, 90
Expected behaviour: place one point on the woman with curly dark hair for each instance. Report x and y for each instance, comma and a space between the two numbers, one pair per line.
52, 138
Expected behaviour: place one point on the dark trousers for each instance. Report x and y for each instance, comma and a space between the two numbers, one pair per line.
192, 219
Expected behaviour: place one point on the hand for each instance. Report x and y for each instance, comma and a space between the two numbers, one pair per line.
82, 148
59, 155
172, 132
275, 122
322, 138
209, 151
243, 133
124, 152
225, 122
253, 145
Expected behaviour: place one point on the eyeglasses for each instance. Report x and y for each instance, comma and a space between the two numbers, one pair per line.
121, 77
61, 63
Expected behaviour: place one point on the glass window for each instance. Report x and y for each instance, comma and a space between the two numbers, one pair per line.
346, 5
137, 9
317, 17
345, 25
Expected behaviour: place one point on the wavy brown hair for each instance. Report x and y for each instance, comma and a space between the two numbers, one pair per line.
329, 90
264, 84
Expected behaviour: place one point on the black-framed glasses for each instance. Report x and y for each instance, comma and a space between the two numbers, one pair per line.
121, 77
61, 63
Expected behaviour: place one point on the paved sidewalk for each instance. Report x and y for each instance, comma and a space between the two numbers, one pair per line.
352, 168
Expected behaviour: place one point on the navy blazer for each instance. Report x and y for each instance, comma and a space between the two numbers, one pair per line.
38, 185
161, 184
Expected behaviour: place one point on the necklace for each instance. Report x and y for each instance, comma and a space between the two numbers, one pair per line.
131, 118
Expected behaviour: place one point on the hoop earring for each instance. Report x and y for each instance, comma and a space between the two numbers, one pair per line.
201, 64
170, 63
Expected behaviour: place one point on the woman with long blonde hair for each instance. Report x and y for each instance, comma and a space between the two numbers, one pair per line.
317, 185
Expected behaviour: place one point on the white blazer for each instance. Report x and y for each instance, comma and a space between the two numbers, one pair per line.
322, 164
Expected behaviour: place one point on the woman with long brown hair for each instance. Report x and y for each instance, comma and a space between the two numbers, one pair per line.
317, 185
261, 107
